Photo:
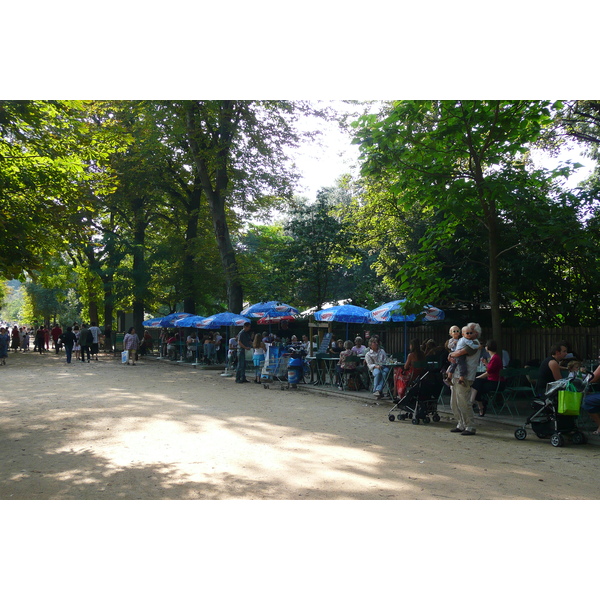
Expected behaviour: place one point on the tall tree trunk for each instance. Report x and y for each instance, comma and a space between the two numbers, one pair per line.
189, 259
140, 274
212, 162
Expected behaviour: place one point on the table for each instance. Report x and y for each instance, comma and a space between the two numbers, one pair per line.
324, 369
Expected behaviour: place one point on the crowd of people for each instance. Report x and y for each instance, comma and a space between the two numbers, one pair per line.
82, 342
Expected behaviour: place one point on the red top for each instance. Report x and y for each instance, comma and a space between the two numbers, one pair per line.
494, 367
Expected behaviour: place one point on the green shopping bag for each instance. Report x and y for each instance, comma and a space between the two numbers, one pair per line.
569, 401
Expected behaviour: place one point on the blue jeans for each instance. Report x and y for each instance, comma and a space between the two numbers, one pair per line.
379, 376
68, 352
240, 374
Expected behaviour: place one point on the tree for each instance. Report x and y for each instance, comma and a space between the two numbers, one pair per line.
464, 163
47, 151
239, 150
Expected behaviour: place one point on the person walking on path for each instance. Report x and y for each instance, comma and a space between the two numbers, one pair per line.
244, 339
85, 341
95, 331
69, 340
39, 339
56, 333
4, 343
460, 395
131, 343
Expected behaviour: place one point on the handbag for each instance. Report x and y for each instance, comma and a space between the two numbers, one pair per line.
569, 401
249, 355
124, 356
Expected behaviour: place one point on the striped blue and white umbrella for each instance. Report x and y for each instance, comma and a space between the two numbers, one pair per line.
269, 309
192, 321
168, 321
224, 319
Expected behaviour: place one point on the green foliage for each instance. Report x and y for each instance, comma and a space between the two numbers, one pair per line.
453, 181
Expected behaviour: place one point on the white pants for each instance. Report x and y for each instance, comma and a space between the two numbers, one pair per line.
460, 403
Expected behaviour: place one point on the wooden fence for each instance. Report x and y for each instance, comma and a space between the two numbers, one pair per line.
523, 344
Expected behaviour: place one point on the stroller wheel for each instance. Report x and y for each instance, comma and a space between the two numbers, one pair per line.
520, 433
578, 438
436, 418
415, 421
557, 440
391, 417
402, 416
426, 420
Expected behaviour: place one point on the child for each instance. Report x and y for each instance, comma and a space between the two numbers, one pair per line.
461, 362
259, 356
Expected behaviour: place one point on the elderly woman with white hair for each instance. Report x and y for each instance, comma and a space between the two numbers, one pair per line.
460, 396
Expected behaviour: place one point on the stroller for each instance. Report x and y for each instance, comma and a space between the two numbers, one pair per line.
547, 422
419, 400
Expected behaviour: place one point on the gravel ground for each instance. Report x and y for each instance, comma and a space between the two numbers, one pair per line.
103, 430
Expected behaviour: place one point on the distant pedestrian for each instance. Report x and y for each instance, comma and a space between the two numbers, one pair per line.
69, 340
131, 343
40, 339
95, 332
85, 341
76, 345
4, 342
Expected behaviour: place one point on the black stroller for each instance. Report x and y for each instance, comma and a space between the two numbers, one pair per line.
420, 399
547, 423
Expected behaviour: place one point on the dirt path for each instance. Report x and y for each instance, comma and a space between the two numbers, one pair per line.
160, 431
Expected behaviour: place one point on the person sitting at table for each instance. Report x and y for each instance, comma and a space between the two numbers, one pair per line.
550, 369
415, 354
192, 344
209, 348
173, 346
336, 348
591, 402
306, 344
359, 349
487, 381
343, 366
375, 360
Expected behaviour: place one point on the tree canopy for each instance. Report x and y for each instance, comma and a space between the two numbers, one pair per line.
157, 206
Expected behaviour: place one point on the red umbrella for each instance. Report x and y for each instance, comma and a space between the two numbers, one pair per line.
269, 320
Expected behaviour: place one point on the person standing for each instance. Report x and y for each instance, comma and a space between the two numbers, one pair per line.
56, 333
460, 394
258, 358
244, 339
131, 343
95, 331
39, 339
4, 343
69, 340
85, 341
15, 342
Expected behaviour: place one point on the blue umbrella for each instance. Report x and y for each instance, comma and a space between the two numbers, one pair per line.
269, 309
168, 321
224, 319
390, 311
346, 313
